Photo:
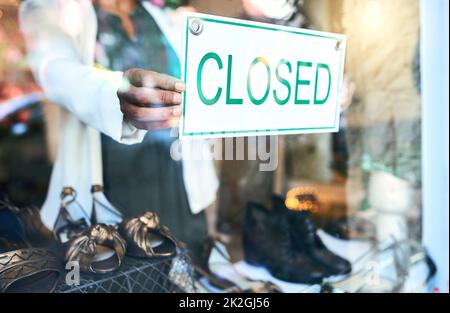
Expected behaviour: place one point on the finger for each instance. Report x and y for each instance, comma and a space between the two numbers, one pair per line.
141, 114
163, 81
154, 125
147, 97
142, 78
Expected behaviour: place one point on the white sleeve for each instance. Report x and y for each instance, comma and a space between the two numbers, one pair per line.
88, 93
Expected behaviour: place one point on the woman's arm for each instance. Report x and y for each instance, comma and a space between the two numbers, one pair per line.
92, 94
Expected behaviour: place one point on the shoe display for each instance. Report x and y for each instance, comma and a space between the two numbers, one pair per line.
305, 238
28, 270
213, 283
147, 238
24, 268
98, 248
217, 265
203, 269
268, 242
65, 226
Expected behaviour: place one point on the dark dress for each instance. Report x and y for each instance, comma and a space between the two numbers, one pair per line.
144, 177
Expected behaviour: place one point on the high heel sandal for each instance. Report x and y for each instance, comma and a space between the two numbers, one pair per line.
98, 248
147, 238
66, 227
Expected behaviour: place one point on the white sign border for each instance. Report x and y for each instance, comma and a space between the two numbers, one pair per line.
247, 133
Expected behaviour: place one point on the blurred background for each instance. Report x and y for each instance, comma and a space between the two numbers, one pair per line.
373, 163
382, 125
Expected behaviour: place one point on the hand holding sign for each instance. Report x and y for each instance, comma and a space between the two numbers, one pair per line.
150, 100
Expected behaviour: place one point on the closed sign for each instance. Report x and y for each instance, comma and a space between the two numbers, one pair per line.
245, 78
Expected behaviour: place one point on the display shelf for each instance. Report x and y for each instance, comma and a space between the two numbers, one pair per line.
169, 275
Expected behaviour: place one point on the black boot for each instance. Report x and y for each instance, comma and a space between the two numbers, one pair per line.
305, 239
267, 242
